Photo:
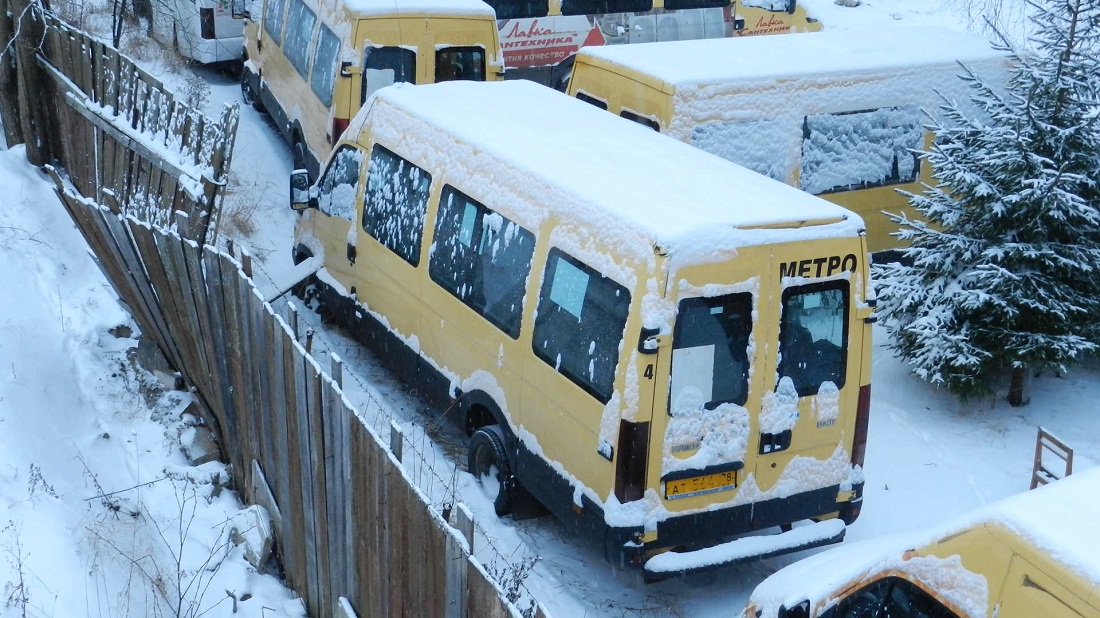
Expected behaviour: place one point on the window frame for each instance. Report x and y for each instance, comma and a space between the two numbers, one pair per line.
893, 581
746, 299
279, 20
291, 44
324, 93
440, 52
438, 273
417, 240
403, 51
554, 257
333, 161
844, 286
894, 178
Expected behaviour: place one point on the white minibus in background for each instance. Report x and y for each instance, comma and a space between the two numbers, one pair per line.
206, 31
663, 348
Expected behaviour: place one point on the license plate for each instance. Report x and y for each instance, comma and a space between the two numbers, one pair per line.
697, 485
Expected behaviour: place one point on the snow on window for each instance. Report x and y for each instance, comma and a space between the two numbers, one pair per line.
384, 66
273, 19
339, 183
841, 152
710, 363
482, 258
394, 203
579, 327
301, 20
754, 144
324, 65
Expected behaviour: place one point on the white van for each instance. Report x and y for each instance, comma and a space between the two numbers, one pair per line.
205, 31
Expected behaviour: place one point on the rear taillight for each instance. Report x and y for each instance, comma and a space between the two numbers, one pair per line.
338, 127
631, 458
206, 23
863, 415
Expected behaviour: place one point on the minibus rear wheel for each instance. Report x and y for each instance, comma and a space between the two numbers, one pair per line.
487, 460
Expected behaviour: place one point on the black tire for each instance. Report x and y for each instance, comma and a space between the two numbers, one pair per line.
248, 93
487, 460
299, 155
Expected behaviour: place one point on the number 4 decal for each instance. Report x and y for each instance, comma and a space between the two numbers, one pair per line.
649, 371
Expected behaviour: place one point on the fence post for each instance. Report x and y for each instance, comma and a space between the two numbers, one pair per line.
397, 444
337, 370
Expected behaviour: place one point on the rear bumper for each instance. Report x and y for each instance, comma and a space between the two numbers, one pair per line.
708, 539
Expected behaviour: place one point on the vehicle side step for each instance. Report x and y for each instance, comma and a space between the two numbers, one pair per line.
674, 563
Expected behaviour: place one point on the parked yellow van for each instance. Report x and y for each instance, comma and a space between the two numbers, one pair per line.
664, 360
1034, 555
838, 114
312, 63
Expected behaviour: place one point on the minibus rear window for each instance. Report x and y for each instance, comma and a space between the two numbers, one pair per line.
710, 361
453, 63
394, 203
383, 66
579, 324
857, 150
519, 9
813, 335
481, 258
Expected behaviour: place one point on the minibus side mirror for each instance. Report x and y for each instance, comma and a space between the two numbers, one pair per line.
300, 195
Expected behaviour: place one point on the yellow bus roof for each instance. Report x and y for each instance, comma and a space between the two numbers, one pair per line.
397, 8
531, 147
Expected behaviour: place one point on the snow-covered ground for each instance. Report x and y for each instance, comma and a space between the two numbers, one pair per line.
79, 420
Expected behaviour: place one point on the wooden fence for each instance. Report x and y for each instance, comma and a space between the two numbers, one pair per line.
127, 142
141, 175
354, 532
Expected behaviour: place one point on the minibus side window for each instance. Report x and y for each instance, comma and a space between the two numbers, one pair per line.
273, 19
642, 120
856, 150
301, 21
394, 203
591, 100
579, 324
339, 183
587, 7
482, 258
519, 9
710, 361
324, 65
453, 63
813, 335
895, 597
383, 66
733, 141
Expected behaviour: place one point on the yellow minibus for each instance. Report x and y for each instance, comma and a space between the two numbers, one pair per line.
659, 346
311, 64
836, 113
1032, 555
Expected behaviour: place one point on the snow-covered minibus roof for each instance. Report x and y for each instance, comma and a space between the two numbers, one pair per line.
752, 59
544, 147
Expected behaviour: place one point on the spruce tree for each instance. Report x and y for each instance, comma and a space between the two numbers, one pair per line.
1007, 276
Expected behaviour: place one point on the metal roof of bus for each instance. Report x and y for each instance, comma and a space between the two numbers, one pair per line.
527, 145
788, 56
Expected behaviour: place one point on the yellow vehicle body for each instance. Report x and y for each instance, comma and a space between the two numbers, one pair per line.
628, 336
312, 63
834, 113
1028, 556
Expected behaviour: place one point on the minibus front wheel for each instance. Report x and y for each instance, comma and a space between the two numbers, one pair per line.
487, 460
